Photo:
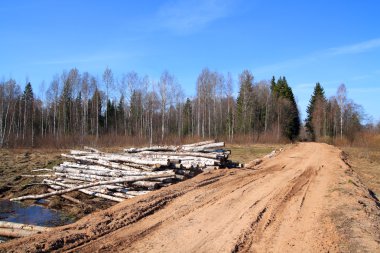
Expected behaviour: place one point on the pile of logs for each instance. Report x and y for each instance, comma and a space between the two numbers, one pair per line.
136, 171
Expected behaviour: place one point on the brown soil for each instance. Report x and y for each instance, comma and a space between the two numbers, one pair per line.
306, 199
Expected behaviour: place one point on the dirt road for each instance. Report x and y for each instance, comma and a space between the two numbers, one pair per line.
306, 199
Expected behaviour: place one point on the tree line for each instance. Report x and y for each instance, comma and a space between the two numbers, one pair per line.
78, 108
336, 117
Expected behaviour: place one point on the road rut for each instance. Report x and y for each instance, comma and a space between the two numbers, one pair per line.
306, 199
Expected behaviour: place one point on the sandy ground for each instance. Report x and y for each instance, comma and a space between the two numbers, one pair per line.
306, 199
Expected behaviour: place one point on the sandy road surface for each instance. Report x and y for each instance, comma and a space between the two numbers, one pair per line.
306, 199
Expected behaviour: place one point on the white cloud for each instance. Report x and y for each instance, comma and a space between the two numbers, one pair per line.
321, 55
188, 16
356, 48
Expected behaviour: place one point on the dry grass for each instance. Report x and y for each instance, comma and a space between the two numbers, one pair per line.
366, 162
247, 153
17, 162
364, 155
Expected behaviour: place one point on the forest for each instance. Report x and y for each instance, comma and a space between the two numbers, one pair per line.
79, 108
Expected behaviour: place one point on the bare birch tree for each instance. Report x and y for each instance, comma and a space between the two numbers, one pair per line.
108, 81
166, 82
341, 97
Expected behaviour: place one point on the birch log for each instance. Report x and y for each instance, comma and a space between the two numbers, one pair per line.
88, 192
109, 173
16, 233
38, 176
77, 177
190, 154
204, 147
13, 225
80, 152
132, 159
137, 193
84, 177
56, 185
121, 180
154, 148
142, 167
198, 143
146, 184
45, 169
86, 166
105, 162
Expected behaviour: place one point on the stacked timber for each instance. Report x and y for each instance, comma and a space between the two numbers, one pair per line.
136, 171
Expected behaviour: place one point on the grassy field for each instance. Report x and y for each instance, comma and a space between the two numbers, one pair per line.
366, 162
17, 162
247, 153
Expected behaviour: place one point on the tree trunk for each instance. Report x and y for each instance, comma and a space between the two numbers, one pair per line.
154, 148
198, 143
13, 225
85, 191
341, 125
16, 233
203, 147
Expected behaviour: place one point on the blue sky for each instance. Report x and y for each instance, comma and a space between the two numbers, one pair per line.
330, 42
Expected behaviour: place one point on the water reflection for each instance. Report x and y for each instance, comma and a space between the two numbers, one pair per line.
33, 215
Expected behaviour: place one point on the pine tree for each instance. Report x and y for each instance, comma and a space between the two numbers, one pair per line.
187, 116
111, 112
120, 115
273, 85
66, 102
244, 103
291, 121
28, 99
316, 99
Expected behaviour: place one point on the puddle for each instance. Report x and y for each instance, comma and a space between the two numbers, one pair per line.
32, 214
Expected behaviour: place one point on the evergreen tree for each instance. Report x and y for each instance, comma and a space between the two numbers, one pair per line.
273, 85
111, 112
28, 101
28, 92
96, 112
187, 116
291, 121
120, 113
317, 97
66, 101
244, 102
